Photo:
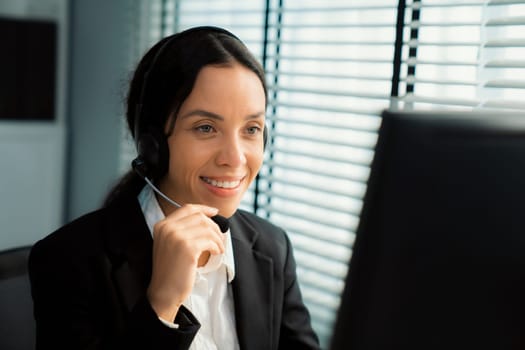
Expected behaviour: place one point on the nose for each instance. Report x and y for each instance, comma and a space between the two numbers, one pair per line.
231, 152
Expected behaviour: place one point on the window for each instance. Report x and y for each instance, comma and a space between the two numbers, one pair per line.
329, 69
464, 54
332, 66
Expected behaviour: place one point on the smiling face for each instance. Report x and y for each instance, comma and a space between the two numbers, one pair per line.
216, 146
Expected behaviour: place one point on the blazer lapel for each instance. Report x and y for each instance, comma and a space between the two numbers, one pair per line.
129, 247
253, 282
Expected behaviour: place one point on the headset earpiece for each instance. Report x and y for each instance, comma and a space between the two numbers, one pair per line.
152, 154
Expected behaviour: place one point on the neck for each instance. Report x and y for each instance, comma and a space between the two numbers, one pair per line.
166, 207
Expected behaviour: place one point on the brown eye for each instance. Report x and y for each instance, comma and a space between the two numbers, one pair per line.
252, 130
205, 129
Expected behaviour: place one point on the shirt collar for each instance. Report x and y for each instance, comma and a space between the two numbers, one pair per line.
153, 214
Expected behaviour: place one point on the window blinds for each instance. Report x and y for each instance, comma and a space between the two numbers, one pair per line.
329, 71
503, 55
466, 54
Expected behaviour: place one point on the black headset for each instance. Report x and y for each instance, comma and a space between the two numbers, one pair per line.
152, 159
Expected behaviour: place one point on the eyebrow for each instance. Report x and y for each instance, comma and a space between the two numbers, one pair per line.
208, 114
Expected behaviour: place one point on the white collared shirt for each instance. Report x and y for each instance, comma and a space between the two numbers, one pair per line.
211, 300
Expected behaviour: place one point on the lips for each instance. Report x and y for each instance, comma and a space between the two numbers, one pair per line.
222, 184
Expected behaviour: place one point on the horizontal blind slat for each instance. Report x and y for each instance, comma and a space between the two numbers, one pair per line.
333, 26
334, 191
333, 42
327, 75
413, 43
322, 221
419, 62
445, 4
505, 63
315, 246
441, 24
324, 172
367, 60
412, 80
388, 5
505, 42
441, 101
287, 151
320, 264
504, 104
345, 238
291, 199
367, 144
504, 2
506, 83
368, 95
373, 114
335, 126
506, 21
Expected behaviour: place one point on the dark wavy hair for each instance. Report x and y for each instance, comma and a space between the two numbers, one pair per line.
165, 76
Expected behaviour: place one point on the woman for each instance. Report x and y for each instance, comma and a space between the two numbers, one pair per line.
152, 269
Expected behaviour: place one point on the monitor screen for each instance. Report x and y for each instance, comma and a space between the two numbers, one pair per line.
28, 69
439, 256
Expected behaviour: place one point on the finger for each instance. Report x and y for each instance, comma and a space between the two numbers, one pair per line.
185, 219
210, 235
192, 227
190, 209
212, 245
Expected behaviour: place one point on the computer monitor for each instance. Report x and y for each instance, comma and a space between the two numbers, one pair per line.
439, 256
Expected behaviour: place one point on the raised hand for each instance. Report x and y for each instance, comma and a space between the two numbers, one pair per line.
182, 242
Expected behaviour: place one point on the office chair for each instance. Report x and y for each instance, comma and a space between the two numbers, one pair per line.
17, 326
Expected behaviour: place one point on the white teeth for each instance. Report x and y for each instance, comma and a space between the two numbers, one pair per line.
222, 184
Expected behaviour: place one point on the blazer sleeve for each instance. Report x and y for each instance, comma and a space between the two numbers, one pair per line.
296, 331
73, 308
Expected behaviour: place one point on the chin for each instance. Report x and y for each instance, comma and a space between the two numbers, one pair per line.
228, 211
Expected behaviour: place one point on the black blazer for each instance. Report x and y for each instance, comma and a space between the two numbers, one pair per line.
89, 280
